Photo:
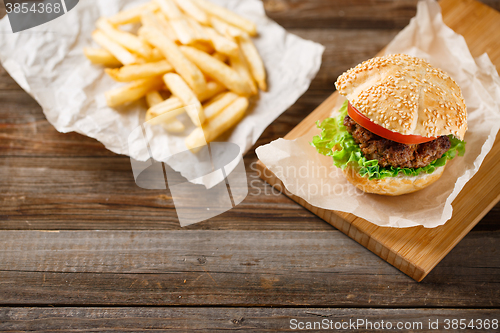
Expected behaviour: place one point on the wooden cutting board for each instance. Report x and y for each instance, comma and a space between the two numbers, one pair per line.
416, 251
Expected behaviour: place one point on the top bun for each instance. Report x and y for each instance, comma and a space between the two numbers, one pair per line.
406, 95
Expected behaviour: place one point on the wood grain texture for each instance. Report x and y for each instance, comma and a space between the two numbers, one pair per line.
268, 251
475, 25
100, 193
416, 251
346, 14
358, 14
222, 319
233, 268
2, 9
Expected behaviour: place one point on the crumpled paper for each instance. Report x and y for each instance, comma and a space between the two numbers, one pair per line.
48, 63
311, 176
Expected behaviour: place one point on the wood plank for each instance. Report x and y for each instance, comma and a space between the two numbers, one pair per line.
2, 9
233, 268
100, 193
353, 14
219, 319
472, 20
6, 82
358, 14
416, 251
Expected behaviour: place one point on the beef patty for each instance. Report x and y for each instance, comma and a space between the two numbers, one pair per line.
391, 153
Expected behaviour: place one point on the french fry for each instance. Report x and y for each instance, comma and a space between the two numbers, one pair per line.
222, 44
173, 125
132, 15
168, 28
228, 16
239, 64
213, 88
181, 90
159, 22
148, 18
225, 29
185, 68
198, 51
217, 70
168, 110
226, 119
137, 72
170, 9
203, 46
254, 61
219, 56
199, 31
101, 57
215, 106
127, 40
132, 91
183, 31
153, 98
119, 52
194, 11
196, 140
150, 57
156, 55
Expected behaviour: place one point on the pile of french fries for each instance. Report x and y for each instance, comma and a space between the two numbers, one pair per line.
188, 56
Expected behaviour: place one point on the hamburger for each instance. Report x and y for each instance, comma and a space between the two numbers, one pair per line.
402, 122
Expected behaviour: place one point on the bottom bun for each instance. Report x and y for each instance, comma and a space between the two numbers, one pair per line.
392, 185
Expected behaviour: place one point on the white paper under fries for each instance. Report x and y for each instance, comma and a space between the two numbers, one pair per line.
426, 36
48, 62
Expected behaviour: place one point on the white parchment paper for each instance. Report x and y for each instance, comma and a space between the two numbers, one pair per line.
48, 62
312, 176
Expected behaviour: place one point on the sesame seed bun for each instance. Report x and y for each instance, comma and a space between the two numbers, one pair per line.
392, 186
406, 95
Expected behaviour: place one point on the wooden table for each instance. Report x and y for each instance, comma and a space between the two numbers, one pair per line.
83, 248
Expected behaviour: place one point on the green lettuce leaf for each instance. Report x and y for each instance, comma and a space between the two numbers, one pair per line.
334, 134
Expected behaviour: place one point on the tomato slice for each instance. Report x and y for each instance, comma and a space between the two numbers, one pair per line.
367, 123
